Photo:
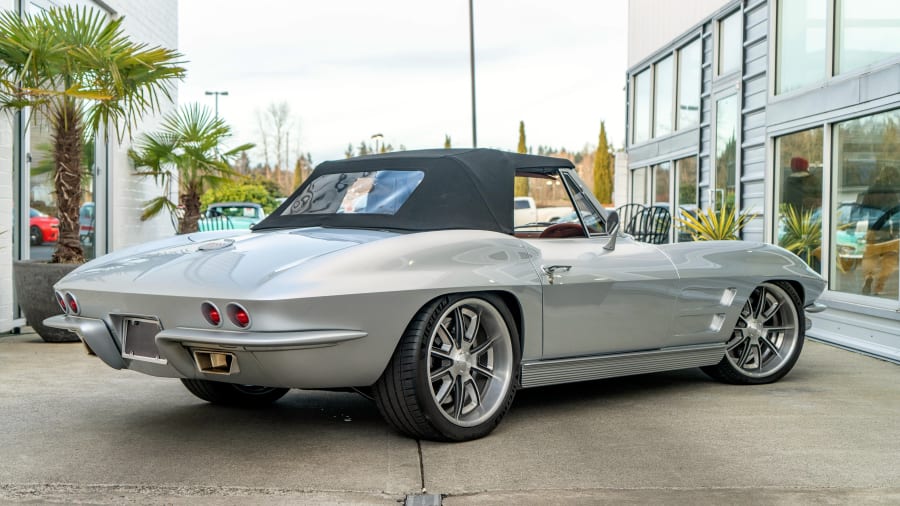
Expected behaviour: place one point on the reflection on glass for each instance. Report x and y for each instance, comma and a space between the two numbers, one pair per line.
689, 67
642, 107
726, 149
730, 43
686, 196
375, 192
664, 93
661, 183
866, 32
798, 196
801, 44
865, 220
639, 186
43, 196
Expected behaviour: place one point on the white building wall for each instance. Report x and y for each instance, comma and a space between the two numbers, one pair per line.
654, 23
155, 23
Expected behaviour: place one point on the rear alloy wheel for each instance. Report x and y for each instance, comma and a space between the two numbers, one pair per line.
767, 339
230, 394
455, 372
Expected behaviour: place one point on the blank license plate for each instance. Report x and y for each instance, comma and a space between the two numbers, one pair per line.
138, 339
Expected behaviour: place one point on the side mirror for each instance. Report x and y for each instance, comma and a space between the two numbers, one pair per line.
612, 224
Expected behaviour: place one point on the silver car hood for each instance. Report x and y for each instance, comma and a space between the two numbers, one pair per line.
213, 263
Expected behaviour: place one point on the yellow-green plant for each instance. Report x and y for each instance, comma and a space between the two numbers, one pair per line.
802, 232
708, 225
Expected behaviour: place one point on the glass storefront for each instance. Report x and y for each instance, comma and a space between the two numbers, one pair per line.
689, 67
801, 44
43, 212
730, 43
639, 192
798, 194
726, 152
663, 96
865, 214
866, 32
686, 195
642, 107
661, 183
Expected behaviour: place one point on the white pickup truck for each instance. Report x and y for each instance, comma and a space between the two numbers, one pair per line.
526, 211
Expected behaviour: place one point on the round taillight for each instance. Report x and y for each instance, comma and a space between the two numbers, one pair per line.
61, 301
211, 314
238, 315
72, 303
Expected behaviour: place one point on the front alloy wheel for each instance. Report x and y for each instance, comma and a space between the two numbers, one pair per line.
767, 339
464, 354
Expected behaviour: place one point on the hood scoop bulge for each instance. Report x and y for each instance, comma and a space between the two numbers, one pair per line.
216, 245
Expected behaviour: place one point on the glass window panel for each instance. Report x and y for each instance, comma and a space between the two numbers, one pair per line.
689, 68
639, 186
661, 181
548, 203
798, 196
375, 192
865, 219
43, 222
730, 43
686, 195
866, 32
801, 44
726, 150
663, 96
641, 107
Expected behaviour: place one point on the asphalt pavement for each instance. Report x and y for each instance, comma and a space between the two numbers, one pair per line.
73, 430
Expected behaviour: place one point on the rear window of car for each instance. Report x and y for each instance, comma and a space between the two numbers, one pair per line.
374, 192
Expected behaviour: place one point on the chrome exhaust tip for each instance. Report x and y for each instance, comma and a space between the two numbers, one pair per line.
215, 362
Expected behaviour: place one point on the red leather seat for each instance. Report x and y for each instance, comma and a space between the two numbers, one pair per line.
562, 231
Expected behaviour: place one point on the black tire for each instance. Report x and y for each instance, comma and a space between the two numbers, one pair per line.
405, 393
769, 366
229, 394
37, 237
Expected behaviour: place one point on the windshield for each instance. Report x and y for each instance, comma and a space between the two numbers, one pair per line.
374, 192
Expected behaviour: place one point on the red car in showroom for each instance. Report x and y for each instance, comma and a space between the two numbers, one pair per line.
44, 228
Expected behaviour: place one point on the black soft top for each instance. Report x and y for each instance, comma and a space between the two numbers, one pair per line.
461, 189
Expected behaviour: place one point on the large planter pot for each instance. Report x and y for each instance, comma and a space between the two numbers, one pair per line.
34, 282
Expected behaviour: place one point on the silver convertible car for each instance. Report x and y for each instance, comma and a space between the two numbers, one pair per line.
402, 276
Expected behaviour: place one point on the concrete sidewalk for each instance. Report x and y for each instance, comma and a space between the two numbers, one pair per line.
74, 430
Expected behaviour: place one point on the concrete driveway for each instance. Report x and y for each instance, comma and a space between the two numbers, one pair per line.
74, 430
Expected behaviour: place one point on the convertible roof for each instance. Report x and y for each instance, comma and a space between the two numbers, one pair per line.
462, 189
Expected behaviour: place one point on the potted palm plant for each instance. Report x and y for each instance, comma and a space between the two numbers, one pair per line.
709, 225
187, 151
80, 73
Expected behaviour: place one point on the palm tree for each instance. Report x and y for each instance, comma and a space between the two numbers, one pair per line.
79, 72
185, 151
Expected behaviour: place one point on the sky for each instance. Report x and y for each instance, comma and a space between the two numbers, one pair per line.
349, 69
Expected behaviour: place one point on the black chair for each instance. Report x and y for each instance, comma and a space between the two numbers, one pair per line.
627, 217
653, 225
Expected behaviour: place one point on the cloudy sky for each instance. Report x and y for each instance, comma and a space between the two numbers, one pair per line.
351, 68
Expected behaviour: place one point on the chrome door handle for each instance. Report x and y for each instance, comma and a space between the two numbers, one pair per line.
552, 270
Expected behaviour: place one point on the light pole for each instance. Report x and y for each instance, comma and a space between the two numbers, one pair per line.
376, 138
472, 71
216, 94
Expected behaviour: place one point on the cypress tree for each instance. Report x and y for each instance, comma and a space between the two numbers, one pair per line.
447, 144
603, 168
521, 182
